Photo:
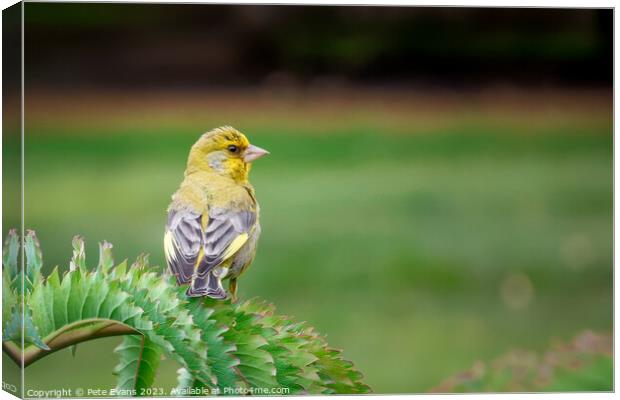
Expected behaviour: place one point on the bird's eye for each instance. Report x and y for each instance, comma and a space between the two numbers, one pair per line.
232, 148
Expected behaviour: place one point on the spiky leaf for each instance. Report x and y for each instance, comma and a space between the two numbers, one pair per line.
78, 259
220, 356
139, 360
19, 323
10, 254
34, 258
218, 345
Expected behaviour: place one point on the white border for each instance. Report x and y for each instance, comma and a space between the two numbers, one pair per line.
479, 3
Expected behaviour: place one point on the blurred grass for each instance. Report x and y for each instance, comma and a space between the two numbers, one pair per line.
403, 248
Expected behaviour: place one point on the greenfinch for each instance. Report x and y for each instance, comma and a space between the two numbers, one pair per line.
213, 225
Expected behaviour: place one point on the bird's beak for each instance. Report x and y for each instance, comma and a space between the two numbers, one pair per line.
253, 153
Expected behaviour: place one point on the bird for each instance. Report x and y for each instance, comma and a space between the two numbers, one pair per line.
213, 225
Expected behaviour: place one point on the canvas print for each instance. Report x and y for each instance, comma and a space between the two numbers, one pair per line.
204, 200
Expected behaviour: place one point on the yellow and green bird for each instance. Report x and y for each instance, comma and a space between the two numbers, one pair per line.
213, 227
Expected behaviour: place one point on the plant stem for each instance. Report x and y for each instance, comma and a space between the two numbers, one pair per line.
69, 335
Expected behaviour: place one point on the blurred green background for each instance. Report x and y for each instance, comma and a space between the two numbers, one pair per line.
420, 228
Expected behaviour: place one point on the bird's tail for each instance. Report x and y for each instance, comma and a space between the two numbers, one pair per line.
210, 285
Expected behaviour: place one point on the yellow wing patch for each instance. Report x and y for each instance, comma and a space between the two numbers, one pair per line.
201, 255
235, 245
169, 247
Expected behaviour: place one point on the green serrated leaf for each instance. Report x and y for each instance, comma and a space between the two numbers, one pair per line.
256, 365
12, 329
31, 334
217, 344
106, 261
41, 301
10, 253
9, 297
137, 367
76, 297
174, 330
289, 348
81, 296
34, 258
78, 259
59, 295
97, 293
16, 325
219, 353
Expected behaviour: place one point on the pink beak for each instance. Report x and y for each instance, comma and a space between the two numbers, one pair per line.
253, 153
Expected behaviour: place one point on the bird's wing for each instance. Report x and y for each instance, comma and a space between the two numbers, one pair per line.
183, 243
226, 232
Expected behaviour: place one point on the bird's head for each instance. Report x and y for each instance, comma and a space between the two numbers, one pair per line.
225, 151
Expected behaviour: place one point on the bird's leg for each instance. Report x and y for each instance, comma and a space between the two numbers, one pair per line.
232, 289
